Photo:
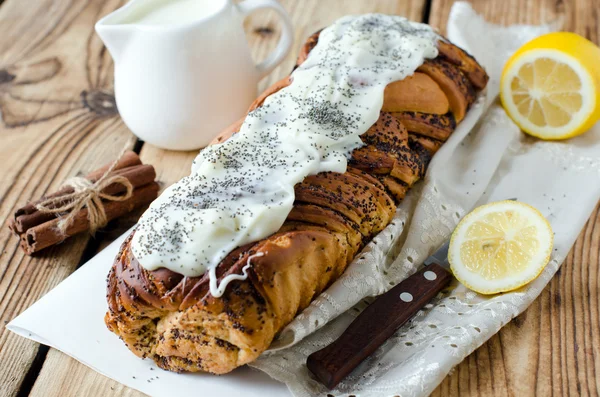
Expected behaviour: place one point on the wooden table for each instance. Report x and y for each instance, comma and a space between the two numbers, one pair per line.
59, 119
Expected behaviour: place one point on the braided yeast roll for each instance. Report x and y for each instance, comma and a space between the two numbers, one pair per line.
175, 321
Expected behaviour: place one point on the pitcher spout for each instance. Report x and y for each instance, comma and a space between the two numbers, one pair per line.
114, 38
115, 29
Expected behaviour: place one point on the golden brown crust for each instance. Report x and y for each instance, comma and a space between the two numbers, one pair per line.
465, 62
453, 82
187, 329
284, 82
235, 127
431, 145
415, 93
175, 321
395, 187
309, 44
387, 152
228, 132
429, 125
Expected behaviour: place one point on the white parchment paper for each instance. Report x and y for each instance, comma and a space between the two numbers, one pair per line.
486, 159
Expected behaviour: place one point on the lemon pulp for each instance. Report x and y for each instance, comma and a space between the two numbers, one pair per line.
500, 246
551, 86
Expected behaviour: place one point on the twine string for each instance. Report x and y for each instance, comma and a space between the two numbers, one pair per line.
86, 195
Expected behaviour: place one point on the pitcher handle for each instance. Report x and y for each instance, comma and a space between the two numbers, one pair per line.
287, 33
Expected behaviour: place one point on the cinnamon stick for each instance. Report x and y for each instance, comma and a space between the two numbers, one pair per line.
138, 175
128, 159
47, 233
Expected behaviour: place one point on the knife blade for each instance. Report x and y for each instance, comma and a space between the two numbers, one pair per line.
381, 319
439, 257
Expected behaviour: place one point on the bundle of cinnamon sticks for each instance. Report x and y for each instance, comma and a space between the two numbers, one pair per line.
39, 229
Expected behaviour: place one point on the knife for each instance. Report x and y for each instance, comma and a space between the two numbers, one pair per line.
380, 320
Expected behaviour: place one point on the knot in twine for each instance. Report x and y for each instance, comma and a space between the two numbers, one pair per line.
89, 195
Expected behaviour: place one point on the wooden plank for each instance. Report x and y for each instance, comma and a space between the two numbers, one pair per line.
580, 16
550, 349
308, 16
553, 348
63, 376
71, 384
58, 120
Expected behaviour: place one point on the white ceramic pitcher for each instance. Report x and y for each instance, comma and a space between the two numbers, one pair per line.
183, 69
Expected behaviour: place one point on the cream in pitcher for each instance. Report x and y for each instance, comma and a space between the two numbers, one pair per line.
174, 12
183, 69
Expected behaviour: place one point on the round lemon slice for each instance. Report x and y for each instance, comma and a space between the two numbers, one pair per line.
550, 87
500, 247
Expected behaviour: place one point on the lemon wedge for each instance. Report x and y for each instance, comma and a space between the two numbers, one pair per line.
500, 246
550, 87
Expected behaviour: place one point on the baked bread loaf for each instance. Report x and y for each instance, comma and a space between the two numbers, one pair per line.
175, 321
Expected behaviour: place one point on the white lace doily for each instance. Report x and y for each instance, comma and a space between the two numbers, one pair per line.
486, 159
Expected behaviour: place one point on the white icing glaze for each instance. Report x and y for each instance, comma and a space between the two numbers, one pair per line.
242, 190
218, 289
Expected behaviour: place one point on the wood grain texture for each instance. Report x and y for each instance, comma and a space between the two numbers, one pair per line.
58, 119
308, 16
64, 370
553, 348
63, 376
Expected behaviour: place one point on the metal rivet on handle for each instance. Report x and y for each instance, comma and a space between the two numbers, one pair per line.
429, 275
406, 297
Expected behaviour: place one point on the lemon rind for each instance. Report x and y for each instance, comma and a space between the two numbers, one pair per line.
477, 283
587, 91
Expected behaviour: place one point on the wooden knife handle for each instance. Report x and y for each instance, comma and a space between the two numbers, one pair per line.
376, 324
